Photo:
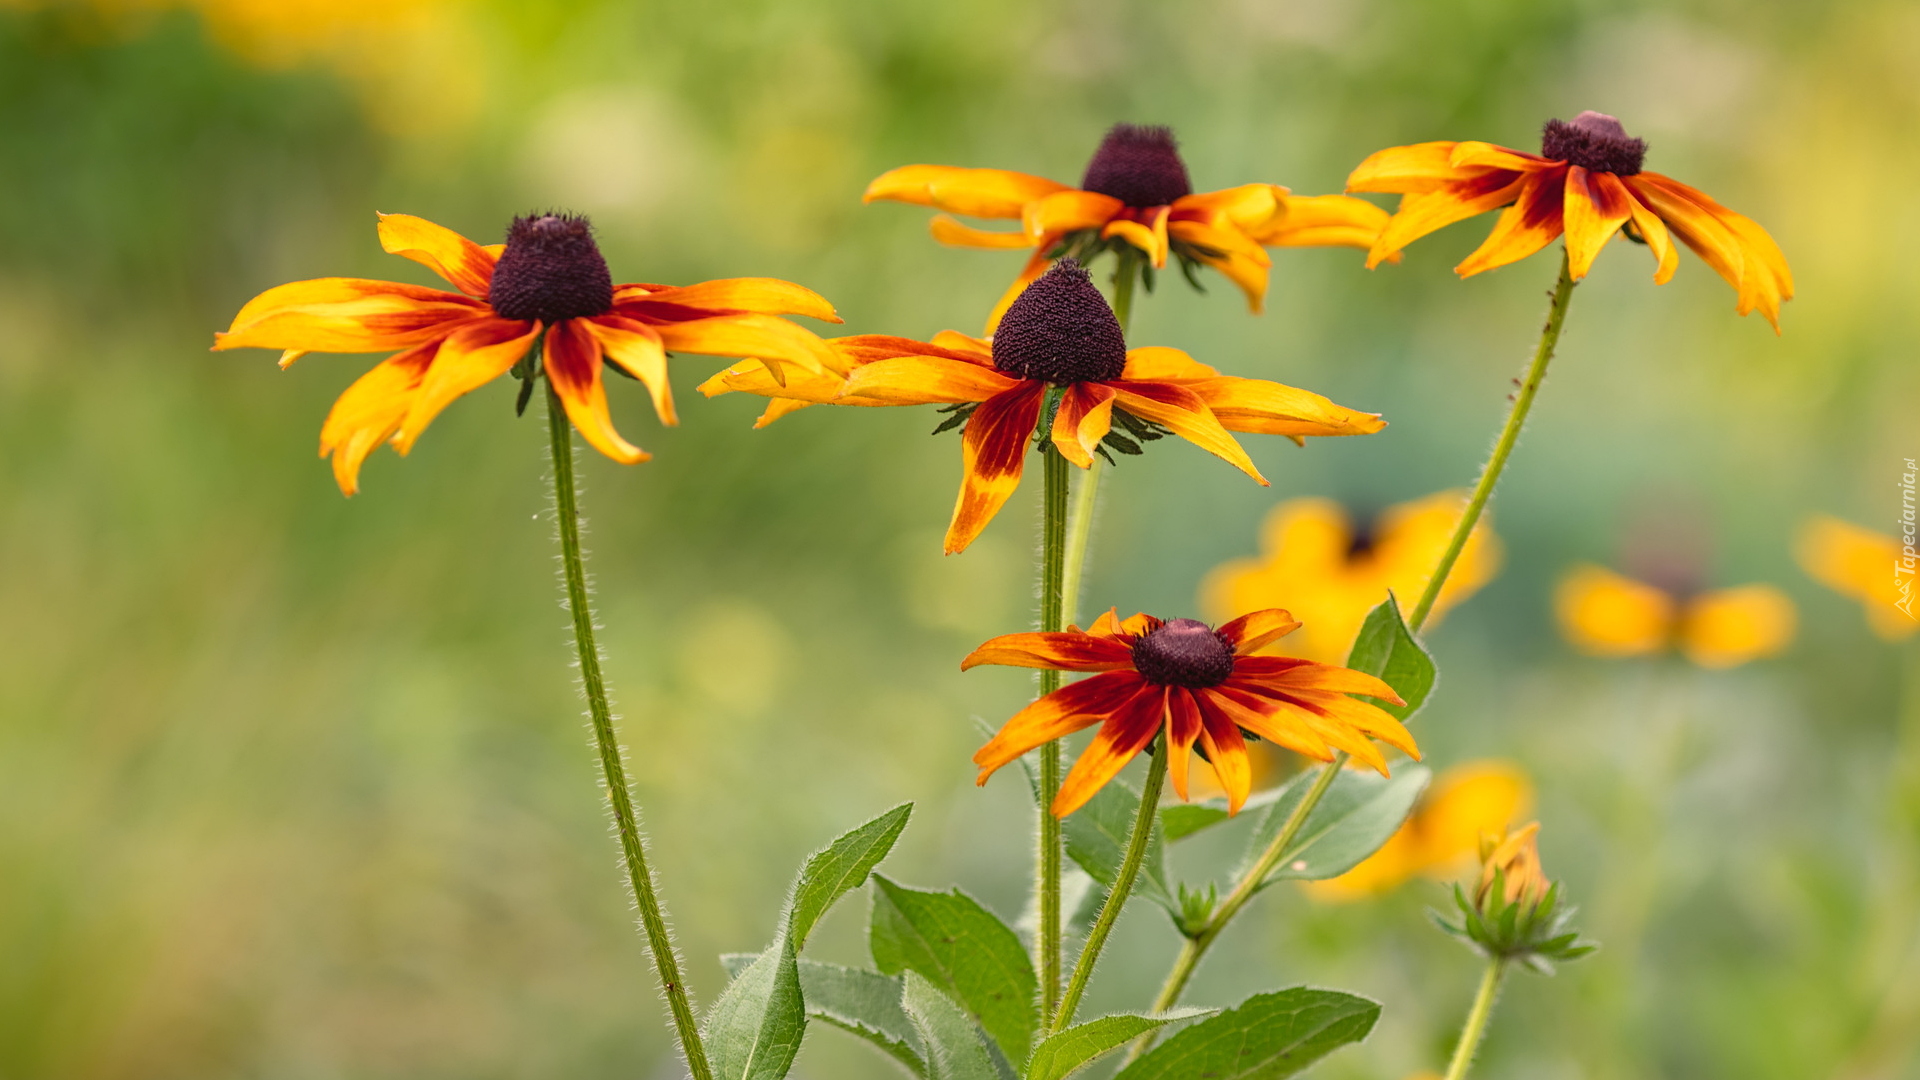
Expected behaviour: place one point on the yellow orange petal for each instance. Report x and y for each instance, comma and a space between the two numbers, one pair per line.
993, 454
1271, 408
1183, 727
1533, 221
1323, 221
637, 348
922, 380
1124, 734
949, 231
1652, 230
1604, 614
573, 371
347, 315
1269, 719
1068, 211
734, 296
760, 337
1186, 414
1429, 210
1063, 712
1247, 207
369, 411
1084, 418
464, 264
1729, 627
990, 193
1595, 206
1414, 169
1228, 751
1052, 650
1255, 629
1484, 155
469, 358
1863, 564
1158, 363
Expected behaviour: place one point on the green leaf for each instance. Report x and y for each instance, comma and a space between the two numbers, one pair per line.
1181, 820
1074, 1049
1388, 649
865, 1003
1266, 1037
1097, 835
954, 1049
754, 1030
964, 950
1357, 815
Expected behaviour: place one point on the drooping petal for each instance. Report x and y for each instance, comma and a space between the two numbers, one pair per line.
1150, 237
1183, 726
368, 412
1251, 631
1270, 408
1063, 712
800, 387
990, 193
573, 370
346, 315
1737, 248
1424, 213
1052, 650
950, 231
1323, 221
1595, 206
761, 337
1405, 170
1158, 363
737, 296
923, 380
1186, 414
1228, 752
464, 264
1068, 211
993, 453
1247, 273
1666, 258
1361, 716
1729, 627
1125, 733
1531, 223
1085, 417
469, 358
637, 348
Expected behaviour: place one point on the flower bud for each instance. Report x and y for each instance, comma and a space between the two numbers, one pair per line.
1511, 863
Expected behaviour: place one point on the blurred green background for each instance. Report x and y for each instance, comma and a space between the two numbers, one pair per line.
296, 786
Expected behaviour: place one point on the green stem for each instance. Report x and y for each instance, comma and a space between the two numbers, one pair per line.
1086, 492
1477, 1017
639, 875
1053, 548
1509, 435
1243, 891
1117, 896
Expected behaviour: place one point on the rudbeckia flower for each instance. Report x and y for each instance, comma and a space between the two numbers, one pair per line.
1196, 684
1511, 861
1442, 834
1864, 565
1333, 574
547, 279
1060, 334
1135, 193
1587, 183
1602, 613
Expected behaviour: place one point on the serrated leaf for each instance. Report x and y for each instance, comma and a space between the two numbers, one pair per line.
1266, 1037
1074, 1049
964, 950
1386, 648
954, 1049
1097, 836
1358, 813
754, 1030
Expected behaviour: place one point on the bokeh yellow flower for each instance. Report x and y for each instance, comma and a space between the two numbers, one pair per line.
1330, 576
1442, 835
1863, 564
1602, 613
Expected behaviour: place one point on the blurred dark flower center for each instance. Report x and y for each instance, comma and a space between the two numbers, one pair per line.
1060, 330
1140, 166
551, 270
1593, 141
1183, 652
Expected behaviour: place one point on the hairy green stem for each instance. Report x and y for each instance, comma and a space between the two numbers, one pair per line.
1053, 557
1117, 896
1086, 492
1477, 1017
666, 960
1243, 890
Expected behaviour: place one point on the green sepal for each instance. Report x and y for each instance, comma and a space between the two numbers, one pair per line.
1538, 935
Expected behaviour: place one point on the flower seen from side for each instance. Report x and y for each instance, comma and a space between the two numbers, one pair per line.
1441, 838
1135, 194
1862, 564
1333, 574
1514, 911
548, 286
1193, 684
1059, 348
1586, 183
1602, 613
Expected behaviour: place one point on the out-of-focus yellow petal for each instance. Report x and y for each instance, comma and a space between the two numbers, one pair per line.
1323, 221
923, 380
1069, 211
989, 193
1605, 614
1729, 627
1247, 207
1865, 565
763, 337
464, 264
1485, 155
1404, 170
949, 231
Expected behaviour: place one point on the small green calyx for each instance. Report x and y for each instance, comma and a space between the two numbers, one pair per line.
1538, 933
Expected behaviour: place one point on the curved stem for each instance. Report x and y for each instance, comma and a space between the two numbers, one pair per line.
1117, 896
1477, 1017
659, 940
1053, 555
1244, 889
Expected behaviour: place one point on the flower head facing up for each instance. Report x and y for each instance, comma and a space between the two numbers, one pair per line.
1134, 197
1194, 685
1588, 183
1065, 336
547, 287
551, 270
1332, 570
1602, 613
1140, 166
